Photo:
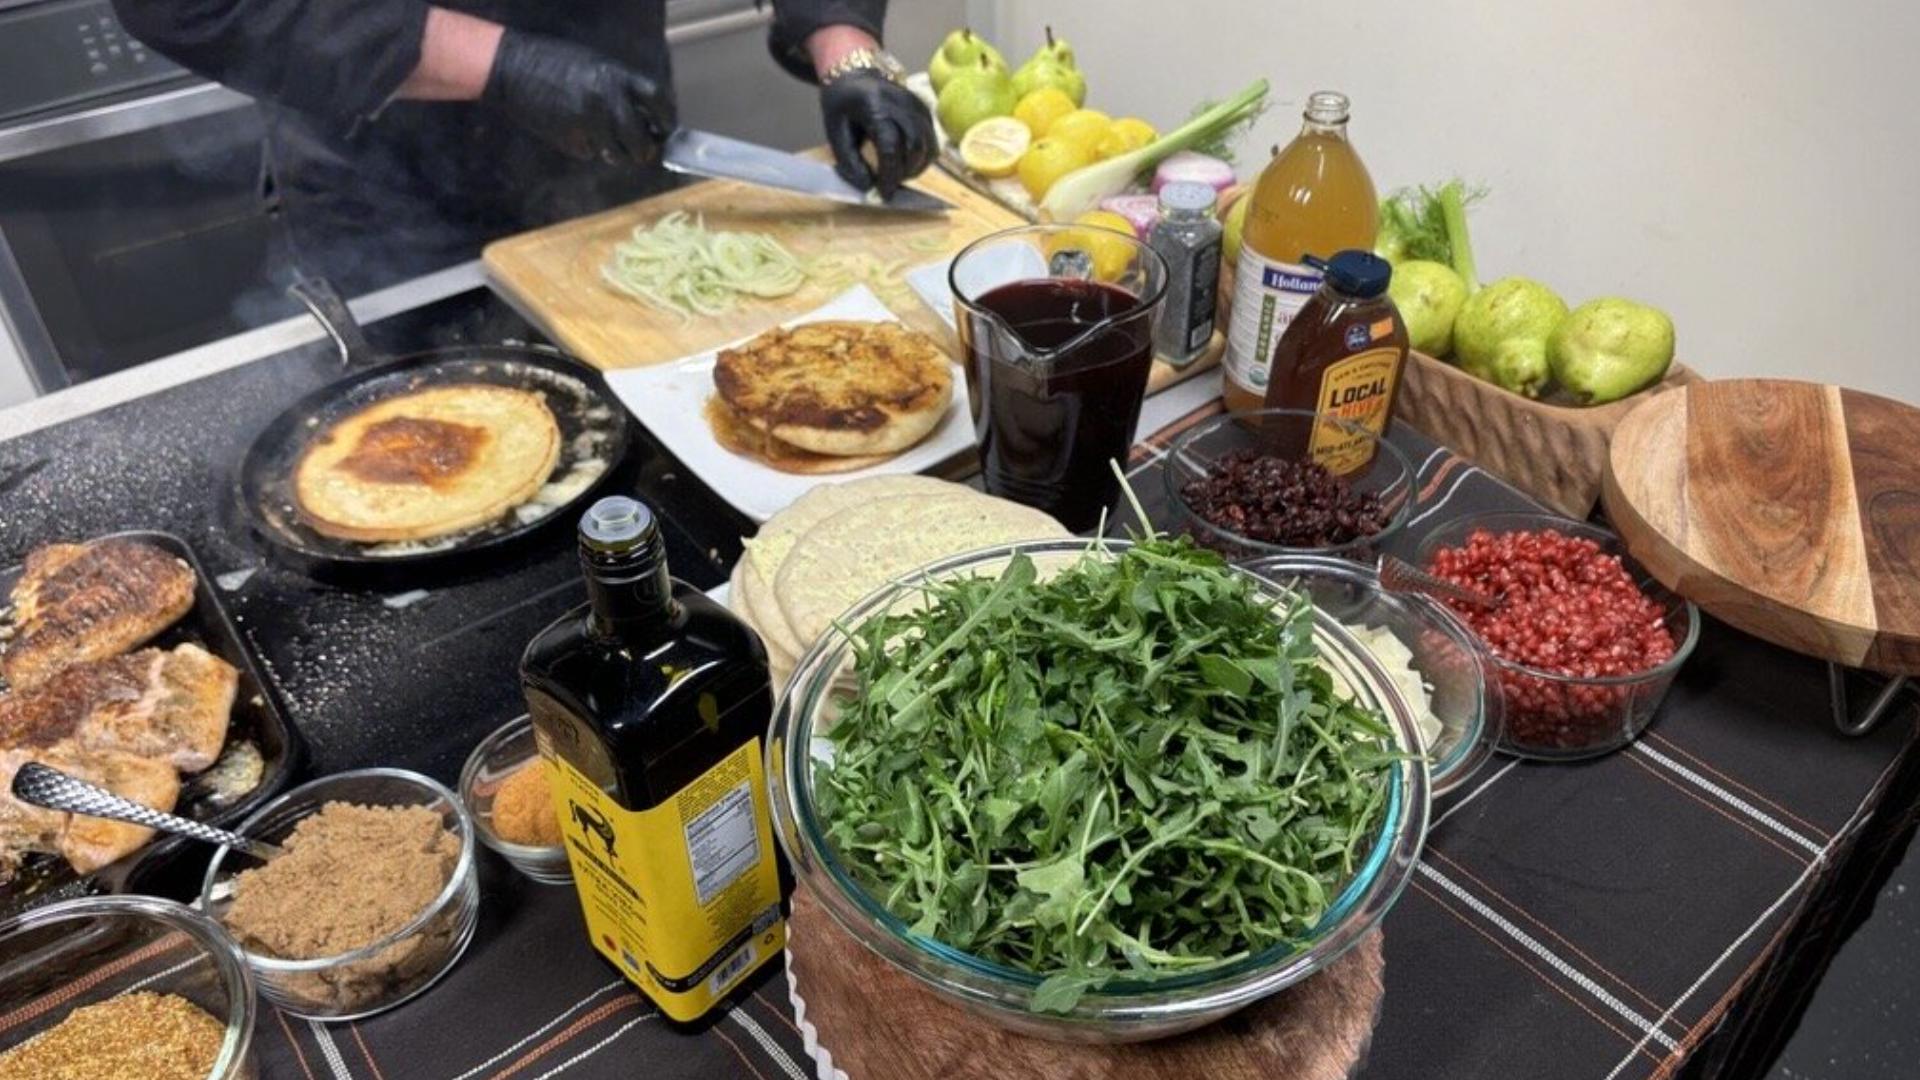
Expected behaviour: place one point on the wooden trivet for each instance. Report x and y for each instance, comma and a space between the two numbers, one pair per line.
863, 1020
1789, 509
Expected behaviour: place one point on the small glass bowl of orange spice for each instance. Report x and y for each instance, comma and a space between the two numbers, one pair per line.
506, 788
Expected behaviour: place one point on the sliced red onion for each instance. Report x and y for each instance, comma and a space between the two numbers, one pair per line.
1141, 211
1187, 165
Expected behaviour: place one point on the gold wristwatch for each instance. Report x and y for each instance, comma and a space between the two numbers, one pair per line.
877, 60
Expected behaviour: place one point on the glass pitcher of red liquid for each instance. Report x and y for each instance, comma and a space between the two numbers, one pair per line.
1056, 322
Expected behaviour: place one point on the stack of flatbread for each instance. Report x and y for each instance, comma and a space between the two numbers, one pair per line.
840, 542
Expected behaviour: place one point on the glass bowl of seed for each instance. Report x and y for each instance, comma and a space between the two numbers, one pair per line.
123, 986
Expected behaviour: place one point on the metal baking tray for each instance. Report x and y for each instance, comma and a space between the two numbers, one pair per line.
258, 718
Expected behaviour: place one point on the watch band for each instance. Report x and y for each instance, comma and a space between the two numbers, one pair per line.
863, 59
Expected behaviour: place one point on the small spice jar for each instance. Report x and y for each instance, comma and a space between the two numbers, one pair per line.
1188, 238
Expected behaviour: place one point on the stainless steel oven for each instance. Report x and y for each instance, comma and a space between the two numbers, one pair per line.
132, 220
132, 223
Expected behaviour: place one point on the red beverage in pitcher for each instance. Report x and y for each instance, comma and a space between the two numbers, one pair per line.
1051, 412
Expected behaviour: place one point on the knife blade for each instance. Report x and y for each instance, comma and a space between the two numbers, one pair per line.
702, 153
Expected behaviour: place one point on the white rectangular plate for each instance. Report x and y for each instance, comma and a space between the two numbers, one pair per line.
668, 400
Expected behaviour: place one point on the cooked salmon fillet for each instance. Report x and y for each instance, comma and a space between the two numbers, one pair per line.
89, 843
170, 705
77, 602
129, 723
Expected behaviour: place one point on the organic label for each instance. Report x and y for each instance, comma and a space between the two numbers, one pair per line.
1266, 297
683, 897
1358, 390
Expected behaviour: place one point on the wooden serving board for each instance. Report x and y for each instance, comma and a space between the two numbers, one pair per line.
871, 1022
1789, 509
552, 275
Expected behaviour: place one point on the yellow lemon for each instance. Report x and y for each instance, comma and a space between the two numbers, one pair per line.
1047, 160
1106, 242
993, 147
1125, 134
1039, 109
1084, 126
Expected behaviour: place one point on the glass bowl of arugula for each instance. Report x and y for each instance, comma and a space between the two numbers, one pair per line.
1097, 791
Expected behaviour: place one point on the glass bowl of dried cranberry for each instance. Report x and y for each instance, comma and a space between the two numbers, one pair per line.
1287, 482
1584, 641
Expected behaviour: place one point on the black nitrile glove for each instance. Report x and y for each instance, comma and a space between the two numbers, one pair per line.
866, 107
588, 106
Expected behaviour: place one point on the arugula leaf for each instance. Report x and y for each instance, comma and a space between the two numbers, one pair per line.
1130, 769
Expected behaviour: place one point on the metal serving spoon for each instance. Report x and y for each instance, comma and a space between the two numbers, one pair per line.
49, 787
1399, 575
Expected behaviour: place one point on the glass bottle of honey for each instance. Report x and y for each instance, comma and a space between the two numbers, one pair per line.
1341, 356
1314, 198
648, 703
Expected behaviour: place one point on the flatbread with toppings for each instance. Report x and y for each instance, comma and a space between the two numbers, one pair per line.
837, 388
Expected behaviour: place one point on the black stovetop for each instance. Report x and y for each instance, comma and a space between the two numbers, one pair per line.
370, 677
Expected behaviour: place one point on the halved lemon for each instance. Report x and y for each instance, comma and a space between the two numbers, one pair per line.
993, 146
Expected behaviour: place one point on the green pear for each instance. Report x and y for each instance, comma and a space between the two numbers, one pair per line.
1051, 65
1609, 348
974, 94
1058, 48
960, 50
1429, 296
1501, 333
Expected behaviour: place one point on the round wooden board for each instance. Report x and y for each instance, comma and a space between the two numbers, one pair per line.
1789, 509
871, 1022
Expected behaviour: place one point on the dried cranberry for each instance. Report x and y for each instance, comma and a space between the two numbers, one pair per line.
1284, 502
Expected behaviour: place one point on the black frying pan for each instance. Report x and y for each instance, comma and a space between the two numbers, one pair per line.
594, 432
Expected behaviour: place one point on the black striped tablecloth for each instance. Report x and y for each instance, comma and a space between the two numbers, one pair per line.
1574, 922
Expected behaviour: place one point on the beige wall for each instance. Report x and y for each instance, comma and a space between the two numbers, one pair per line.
1753, 167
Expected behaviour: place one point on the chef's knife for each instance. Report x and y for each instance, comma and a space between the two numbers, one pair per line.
703, 153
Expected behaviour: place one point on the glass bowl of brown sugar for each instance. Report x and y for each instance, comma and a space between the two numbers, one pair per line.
374, 899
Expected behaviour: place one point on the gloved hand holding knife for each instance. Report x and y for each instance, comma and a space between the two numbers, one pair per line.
593, 108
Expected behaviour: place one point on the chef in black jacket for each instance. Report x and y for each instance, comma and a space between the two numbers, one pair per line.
404, 135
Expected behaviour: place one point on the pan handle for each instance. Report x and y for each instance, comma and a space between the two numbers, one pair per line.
324, 301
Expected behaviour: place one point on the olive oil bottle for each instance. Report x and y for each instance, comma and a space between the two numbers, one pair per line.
649, 702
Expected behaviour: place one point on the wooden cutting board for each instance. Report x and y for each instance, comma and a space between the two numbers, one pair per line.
552, 275
874, 1023
1789, 509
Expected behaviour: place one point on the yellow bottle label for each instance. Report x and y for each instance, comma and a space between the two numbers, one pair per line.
1358, 390
683, 897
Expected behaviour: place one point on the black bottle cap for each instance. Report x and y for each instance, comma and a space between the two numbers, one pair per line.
1359, 274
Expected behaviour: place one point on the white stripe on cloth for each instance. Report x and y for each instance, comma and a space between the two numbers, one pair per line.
1819, 862
1533, 945
1715, 966
596, 1047
329, 1051
1474, 794
1725, 796
1451, 489
1422, 470
773, 1049
539, 1031
158, 975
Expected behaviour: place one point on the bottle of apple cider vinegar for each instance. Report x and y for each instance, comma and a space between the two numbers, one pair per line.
1314, 198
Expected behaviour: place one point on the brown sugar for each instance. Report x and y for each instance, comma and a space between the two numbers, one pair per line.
132, 1037
523, 807
351, 875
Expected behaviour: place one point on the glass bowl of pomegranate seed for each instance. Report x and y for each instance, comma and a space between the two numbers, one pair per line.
1584, 642
1288, 482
